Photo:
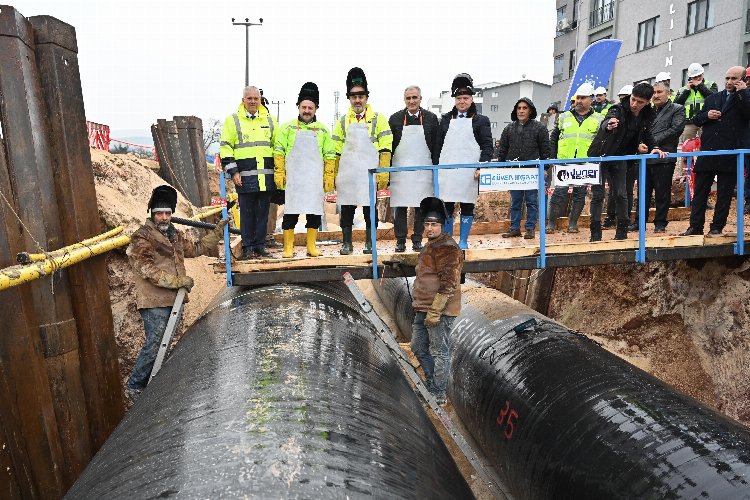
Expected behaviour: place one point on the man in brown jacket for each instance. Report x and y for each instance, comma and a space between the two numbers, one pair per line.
436, 298
157, 254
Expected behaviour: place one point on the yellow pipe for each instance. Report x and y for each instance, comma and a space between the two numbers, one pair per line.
17, 275
26, 258
202, 215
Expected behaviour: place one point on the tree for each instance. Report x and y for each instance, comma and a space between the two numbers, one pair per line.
119, 149
211, 132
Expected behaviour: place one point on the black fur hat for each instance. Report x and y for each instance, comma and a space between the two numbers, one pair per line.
356, 78
309, 92
462, 85
433, 207
164, 196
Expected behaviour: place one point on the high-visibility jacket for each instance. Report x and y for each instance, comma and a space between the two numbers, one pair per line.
288, 133
247, 147
695, 99
604, 109
380, 131
575, 139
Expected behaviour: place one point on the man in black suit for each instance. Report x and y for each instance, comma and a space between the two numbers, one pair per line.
724, 118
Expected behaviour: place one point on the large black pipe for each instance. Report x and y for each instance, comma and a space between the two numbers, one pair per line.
395, 294
560, 417
276, 392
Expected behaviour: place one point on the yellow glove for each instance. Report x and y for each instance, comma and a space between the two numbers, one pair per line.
215, 236
436, 310
279, 171
329, 175
174, 282
385, 162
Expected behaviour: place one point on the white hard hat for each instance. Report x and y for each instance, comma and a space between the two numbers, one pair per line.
694, 69
585, 89
626, 90
600, 90
662, 77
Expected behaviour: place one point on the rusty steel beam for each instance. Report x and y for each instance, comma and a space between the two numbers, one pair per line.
198, 153
163, 151
177, 160
25, 127
185, 130
30, 461
57, 61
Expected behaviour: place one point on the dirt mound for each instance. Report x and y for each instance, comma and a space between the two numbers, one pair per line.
123, 188
684, 323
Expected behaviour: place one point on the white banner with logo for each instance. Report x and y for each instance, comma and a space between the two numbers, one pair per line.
508, 179
584, 174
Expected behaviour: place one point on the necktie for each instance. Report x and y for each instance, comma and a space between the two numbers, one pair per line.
359, 117
252, 117
462, 115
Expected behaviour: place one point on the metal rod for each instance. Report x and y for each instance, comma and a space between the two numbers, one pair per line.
542, 260
175, 317
688, 180
224, 215
740, 245
641, 252
373, 229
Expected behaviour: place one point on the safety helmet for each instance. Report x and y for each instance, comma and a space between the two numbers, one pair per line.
694, 69
585, 89
600, 90
662, 77
626, 90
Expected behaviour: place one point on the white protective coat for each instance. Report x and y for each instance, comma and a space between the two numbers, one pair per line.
460, 147
357, 157
304, 176
408, 189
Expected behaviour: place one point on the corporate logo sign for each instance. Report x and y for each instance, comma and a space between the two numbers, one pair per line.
577, 175
508, 179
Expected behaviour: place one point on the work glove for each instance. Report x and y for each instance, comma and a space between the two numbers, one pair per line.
384, 162
329, 175
407, 259
279, 171
174, 282
436, 310
215, 236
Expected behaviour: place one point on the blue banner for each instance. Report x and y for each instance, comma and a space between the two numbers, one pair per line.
594, 67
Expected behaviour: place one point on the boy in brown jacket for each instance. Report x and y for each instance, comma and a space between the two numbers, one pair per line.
436, 298
157, 254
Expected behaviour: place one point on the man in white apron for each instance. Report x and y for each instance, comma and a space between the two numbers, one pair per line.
304, 162
362, 140
464, 137
414, 138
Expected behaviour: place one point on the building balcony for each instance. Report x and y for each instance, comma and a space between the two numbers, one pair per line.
602, 15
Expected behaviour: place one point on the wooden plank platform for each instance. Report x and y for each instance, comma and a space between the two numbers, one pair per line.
510, 257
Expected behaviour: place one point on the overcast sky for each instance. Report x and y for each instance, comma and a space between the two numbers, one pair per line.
146, 59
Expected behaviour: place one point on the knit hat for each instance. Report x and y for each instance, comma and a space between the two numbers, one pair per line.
462, 85
356, 78
309, 92
163, 197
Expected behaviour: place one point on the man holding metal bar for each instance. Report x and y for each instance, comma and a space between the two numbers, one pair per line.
157, 254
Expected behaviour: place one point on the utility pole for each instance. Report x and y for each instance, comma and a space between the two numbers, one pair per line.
336, 114
277, 103
247, 25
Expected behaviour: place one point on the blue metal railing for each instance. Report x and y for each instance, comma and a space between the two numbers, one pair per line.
224, 215
640, 254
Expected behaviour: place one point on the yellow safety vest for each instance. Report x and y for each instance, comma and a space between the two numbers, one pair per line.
575, 139
695, 99
249, 143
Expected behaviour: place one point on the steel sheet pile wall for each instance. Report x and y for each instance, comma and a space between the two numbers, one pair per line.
182, 157
43, 173
563, 418
278, 392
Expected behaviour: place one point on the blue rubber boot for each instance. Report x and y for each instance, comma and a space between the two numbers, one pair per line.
466, 222
449, 226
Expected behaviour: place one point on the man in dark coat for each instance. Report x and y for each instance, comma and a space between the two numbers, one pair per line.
666, 129
626, 130
724, 118
412, 114
524, 138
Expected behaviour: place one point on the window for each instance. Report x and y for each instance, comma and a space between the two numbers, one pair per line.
495, 94
747, 21
747, 54
601, 12
684, 73
574, 16
493, 124
560, 17
557, 74
494, 107
648, 33
700, 16
572, 62
650, 81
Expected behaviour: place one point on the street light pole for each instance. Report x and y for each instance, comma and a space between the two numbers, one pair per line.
277, 103
247, 25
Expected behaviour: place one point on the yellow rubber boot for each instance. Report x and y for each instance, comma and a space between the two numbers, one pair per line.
312, 237
288, 244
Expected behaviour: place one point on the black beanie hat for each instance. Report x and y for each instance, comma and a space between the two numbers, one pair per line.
309, 92
356, 78
462, 85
